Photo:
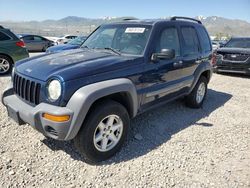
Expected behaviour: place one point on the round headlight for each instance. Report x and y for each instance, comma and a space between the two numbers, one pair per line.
54, 90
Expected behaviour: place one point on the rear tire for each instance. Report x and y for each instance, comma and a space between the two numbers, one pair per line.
44, 48
104, 131
196, 98
6, 65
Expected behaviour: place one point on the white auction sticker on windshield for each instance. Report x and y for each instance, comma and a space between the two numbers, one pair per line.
135, 30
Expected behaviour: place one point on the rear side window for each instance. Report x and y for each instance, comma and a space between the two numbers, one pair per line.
205, 40
27, 38
4, 37
191, 42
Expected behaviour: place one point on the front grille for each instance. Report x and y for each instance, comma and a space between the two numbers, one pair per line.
236, 57
231, 68
26, 89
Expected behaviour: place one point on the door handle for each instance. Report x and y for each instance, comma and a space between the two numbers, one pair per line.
198, 61
178, 64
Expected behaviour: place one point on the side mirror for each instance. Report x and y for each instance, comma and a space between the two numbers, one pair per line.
164, 54
222, 45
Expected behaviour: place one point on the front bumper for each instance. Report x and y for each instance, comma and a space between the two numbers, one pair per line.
232, 67
33, 115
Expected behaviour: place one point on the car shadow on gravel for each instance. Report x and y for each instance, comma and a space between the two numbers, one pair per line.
155, 128
5, 75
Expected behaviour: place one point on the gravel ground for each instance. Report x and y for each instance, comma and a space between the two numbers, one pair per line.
171, 146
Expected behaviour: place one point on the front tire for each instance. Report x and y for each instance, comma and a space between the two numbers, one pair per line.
104, 131
6, 64
196, 98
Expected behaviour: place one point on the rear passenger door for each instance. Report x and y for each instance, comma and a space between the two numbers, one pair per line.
29, 42
40, 43
191, 51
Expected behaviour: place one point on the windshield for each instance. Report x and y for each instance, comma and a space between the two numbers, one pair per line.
128, 39
238, 43
77, 40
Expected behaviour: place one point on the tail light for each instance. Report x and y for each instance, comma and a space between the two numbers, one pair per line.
20, 44
213, 59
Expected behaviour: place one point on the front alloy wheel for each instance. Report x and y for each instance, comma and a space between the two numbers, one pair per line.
103, 132
108, 133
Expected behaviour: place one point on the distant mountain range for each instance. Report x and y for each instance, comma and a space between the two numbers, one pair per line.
79, 25
233, 27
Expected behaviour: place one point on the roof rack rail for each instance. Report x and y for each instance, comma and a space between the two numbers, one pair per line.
128, 19
185, 18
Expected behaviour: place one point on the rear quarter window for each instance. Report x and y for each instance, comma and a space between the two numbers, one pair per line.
204, 40
4, 37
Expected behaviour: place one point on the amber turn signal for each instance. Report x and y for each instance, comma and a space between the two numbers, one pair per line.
56, 118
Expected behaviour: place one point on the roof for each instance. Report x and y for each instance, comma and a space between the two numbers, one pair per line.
154, 21
143, 22
24, 35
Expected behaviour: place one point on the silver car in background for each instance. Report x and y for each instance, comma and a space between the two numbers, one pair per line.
35, 42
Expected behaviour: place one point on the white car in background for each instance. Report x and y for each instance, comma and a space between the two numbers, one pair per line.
215, 45
66, 38
54, 39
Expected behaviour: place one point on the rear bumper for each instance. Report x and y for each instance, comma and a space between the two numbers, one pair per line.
34, 115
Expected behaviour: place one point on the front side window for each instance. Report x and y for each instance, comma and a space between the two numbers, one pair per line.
4, 37
238, 43
38, 39
169, 40
191, 42
28, 38
127, 39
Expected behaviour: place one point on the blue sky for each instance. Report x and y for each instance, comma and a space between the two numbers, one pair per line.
25, 10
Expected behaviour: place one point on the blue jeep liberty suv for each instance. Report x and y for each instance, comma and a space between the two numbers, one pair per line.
121, 70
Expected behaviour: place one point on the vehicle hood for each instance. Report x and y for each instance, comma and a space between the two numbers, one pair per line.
72, 64
61, 48
234, 50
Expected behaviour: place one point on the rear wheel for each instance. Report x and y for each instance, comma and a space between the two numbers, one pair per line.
196, 98
103, 132
5, 64
45, 48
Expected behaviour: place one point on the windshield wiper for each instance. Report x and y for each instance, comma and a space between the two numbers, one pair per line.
113, 50
85, 47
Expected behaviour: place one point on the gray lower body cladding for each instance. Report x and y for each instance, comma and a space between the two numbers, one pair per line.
77, 108
26, 113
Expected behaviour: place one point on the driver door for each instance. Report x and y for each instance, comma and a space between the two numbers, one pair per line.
163, 77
